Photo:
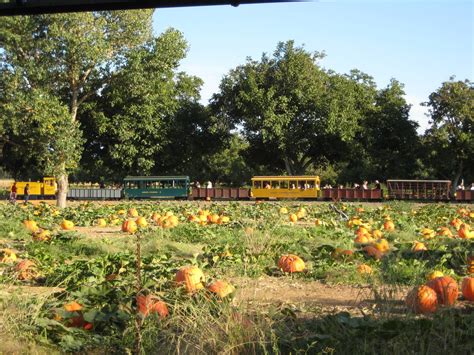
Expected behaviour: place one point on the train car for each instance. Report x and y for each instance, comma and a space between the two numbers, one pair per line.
220, 193
153, 187
277, 187
45, 189
464, 196
351, 194
76, 193
425, 190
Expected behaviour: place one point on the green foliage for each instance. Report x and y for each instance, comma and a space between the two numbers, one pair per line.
450, 139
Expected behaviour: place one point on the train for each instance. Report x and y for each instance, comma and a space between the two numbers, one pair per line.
262, 188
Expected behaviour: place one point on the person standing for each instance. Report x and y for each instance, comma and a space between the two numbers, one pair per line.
26, 194
13, 193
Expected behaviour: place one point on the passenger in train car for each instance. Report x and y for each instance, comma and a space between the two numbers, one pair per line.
461, 186
267, 185
293, 186
197, 185
472, 186
209, 185
306, 186
365, 185
356, 186
377, 185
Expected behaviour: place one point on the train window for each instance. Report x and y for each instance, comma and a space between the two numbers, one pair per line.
132, 185
284, 184
293, 185
257, 184
275, 184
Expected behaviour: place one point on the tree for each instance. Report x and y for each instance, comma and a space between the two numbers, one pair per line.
147, 119
392, 143
293, 113
451, 135
69, 57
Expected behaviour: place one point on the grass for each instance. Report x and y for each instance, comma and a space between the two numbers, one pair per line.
99, 273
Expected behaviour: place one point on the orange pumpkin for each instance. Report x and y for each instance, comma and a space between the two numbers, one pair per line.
470, 265
291, 263
465, 232
445, 231
30, 225
293, 217
129, 226
141, 222
191, 277
221, 288
382, 245
101, 222
132, 212
73, 307
341, 253
364, 269
362, 239
419, 246
468, 288
373, 252
389, 226
41, 235
148, 304
7, 256
67, 225
446, 289
422, 299
26, 270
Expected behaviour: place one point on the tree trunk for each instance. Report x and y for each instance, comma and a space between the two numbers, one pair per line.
288, 166
62, 190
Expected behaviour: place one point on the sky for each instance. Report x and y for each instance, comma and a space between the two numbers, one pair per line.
420, 43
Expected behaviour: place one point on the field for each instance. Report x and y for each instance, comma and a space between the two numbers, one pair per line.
87, 286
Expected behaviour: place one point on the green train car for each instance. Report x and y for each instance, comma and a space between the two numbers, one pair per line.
146, 187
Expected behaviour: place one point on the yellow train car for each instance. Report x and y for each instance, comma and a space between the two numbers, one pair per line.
274, 187
46, 188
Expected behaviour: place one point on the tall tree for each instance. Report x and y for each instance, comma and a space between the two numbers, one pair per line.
69, 57
147, 119
451, 135
392, 143
292, 112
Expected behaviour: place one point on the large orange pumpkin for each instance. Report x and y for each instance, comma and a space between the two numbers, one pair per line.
468, 288
221, 288
129, 226
446, 289
148, 304
422, 299
191, 277
291, 263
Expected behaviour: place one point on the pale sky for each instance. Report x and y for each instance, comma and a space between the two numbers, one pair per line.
418, 42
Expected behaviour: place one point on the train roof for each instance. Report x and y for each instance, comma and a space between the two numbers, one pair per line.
154, 178
301, 177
